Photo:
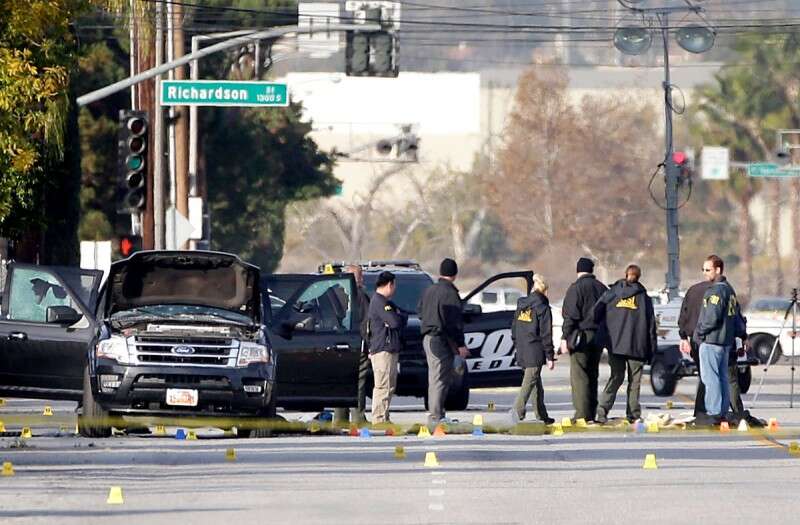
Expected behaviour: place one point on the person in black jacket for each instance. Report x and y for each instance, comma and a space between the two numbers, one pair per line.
386, 323
532, 333
687, 321
581, 339
718, 326
442, 326
630, 321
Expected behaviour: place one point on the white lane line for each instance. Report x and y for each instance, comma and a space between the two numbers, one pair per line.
436, 493
438, 481
436, 506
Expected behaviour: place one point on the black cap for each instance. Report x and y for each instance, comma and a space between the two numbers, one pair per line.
448, 268
384, 278
584, 265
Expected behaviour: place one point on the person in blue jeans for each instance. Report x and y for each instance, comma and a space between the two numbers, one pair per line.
718, 326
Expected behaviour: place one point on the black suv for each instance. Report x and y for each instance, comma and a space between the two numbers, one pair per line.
169, 334
492, 360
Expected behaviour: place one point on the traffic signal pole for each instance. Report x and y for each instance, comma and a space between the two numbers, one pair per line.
154, 213
158, 139
673, 276
269, 34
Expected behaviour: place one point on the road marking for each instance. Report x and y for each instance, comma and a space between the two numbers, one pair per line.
439, 481
435, 492
435, 506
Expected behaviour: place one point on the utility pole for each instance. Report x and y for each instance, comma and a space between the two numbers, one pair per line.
158, 137
181, 124
633, 40
146, 101
673, 276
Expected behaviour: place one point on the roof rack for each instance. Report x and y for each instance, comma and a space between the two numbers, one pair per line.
399, 263
339, 266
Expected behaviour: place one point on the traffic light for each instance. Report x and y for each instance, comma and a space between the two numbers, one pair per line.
683, 162
128, 244
357, 54
132, 161
371, 54
383, 56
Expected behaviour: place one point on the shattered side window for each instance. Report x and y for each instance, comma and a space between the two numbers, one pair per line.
32, 292
329, 304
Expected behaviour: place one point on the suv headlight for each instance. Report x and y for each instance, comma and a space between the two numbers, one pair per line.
252, 353
116, 348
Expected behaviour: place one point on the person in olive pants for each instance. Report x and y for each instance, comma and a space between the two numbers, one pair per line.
581, 339
532, 333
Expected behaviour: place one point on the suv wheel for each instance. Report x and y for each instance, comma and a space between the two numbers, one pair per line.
90, 423
662, 380
762, 346
744, 377
267, 416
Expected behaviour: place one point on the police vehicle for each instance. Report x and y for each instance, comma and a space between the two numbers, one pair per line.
487, 334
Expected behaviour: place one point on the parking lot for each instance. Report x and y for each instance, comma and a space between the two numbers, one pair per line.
517, 475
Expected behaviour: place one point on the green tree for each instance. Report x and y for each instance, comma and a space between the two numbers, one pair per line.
39, 157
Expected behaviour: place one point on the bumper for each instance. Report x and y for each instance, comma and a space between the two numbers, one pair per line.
142, 390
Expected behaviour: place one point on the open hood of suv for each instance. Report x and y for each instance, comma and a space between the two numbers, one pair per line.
214, 279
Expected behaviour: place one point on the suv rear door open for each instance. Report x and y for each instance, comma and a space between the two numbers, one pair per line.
45, 329
492, 360
313, 322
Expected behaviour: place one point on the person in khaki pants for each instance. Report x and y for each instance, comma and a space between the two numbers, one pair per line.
386, 323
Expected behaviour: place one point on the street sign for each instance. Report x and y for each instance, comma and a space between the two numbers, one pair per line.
770, 169
223, 93
715, 163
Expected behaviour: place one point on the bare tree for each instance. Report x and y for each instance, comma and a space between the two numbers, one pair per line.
577, 173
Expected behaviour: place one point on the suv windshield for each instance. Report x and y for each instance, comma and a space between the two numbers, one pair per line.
409, 288
180, 312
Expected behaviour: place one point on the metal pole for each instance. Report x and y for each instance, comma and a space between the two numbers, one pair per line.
158, 136
794, 336
132, 23
228, 44
169, 217
671, 190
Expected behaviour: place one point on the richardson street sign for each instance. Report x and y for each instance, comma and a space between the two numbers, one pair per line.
223, 93
770, 169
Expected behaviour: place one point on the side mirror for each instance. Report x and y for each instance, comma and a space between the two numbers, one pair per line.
62, 315
472, 309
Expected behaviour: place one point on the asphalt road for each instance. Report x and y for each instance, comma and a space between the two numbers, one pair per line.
591, 475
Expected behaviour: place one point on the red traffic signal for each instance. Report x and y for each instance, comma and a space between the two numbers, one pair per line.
129, 244
679, 158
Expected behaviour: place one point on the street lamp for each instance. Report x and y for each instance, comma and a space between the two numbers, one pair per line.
635, 40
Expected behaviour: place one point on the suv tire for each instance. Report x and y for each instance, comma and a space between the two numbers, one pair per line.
762, 347
269, 414
662, 379
744, 377
92, 412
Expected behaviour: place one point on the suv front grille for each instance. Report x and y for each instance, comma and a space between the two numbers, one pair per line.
160, 381
205, 351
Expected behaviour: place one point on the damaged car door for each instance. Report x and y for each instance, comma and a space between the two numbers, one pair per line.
314, 330
45, 330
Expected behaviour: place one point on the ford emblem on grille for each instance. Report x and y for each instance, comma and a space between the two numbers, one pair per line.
182, 349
